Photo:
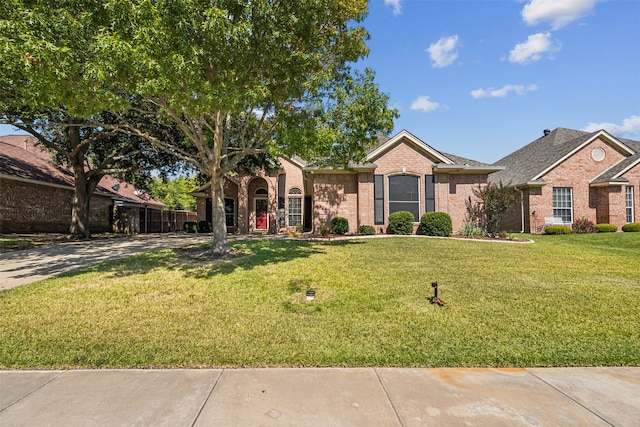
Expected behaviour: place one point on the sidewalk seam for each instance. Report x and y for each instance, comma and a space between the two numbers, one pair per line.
60, 373
569, 397
195, 420
395, 411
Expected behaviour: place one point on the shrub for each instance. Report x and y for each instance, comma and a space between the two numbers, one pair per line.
470, 229
190, 226
401, 222
583, 226
631, 227
557, 229
367, 230
339, 225
204, 227
606, 228
436, 224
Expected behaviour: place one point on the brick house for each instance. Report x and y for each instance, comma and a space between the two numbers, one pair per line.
568, 174
401, 173
36, 196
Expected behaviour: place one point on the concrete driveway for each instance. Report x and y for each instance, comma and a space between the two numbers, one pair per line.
30, 265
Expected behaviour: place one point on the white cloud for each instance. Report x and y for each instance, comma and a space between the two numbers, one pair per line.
442, 52
558, 12
503, 91
424, 103
397, 7
532, 50
629, 126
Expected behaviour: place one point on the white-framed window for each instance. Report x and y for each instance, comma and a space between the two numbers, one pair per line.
563, 203
404, 194
295, 207
629, 203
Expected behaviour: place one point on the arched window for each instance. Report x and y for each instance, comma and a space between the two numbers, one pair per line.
261, 192
404, 194
295, 207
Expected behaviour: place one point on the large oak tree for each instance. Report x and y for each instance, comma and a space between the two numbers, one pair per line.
237, 77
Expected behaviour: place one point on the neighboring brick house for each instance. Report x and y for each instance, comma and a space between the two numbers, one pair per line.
571, 174
36, 196
401, 173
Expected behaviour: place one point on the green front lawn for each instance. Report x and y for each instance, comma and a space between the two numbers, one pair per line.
565, 300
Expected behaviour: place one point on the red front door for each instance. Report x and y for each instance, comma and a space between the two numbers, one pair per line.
262, 221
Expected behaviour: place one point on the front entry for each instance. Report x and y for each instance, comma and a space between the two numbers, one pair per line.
262, 217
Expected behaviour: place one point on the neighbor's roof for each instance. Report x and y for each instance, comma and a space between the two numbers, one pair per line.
530, 162
21, 159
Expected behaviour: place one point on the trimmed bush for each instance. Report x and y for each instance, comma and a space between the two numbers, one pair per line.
401, 222
583, 226
204, 227
631, 227
436, 224
190, 226
557, 229
606, 228
339, 225
367, 230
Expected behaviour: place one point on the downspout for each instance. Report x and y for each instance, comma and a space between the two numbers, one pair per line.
521, 209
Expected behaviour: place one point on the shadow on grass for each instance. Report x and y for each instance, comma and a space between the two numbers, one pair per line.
194, 261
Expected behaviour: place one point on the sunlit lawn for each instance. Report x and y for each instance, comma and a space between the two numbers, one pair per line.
565, 300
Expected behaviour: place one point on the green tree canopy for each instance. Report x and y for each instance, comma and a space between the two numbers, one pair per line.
237, 77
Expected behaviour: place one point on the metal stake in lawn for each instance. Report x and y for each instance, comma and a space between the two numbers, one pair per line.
434, 299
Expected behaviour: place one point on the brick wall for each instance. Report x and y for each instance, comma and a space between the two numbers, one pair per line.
30, 207
335, 195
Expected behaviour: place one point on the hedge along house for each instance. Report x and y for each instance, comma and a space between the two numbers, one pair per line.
402, 173
36, 196
569, 174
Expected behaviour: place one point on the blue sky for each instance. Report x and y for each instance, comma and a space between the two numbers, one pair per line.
481, 78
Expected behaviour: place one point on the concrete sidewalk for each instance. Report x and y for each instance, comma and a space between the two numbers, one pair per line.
322, 397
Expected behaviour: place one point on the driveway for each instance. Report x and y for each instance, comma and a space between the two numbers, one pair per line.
27, 266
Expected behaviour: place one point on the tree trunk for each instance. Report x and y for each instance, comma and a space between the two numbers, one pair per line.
83, 188
79, 228
220, 245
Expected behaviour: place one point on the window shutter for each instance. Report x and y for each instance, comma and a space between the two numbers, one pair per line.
430, 193
378, 198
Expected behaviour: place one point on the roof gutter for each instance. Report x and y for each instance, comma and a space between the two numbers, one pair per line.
367, 167
466, 169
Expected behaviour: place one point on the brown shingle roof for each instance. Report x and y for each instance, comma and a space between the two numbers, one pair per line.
21, 158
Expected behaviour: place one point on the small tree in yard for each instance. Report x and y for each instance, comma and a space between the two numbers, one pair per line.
495, 201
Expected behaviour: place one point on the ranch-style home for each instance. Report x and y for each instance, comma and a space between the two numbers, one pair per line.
402, 173
36, 196
568, 174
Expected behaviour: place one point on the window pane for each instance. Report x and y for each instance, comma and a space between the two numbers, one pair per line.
404, 194
562, 203
295, 211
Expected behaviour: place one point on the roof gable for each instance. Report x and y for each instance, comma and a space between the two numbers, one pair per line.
387, 144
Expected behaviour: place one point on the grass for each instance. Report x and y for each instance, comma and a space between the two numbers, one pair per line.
14, 243
564, 301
